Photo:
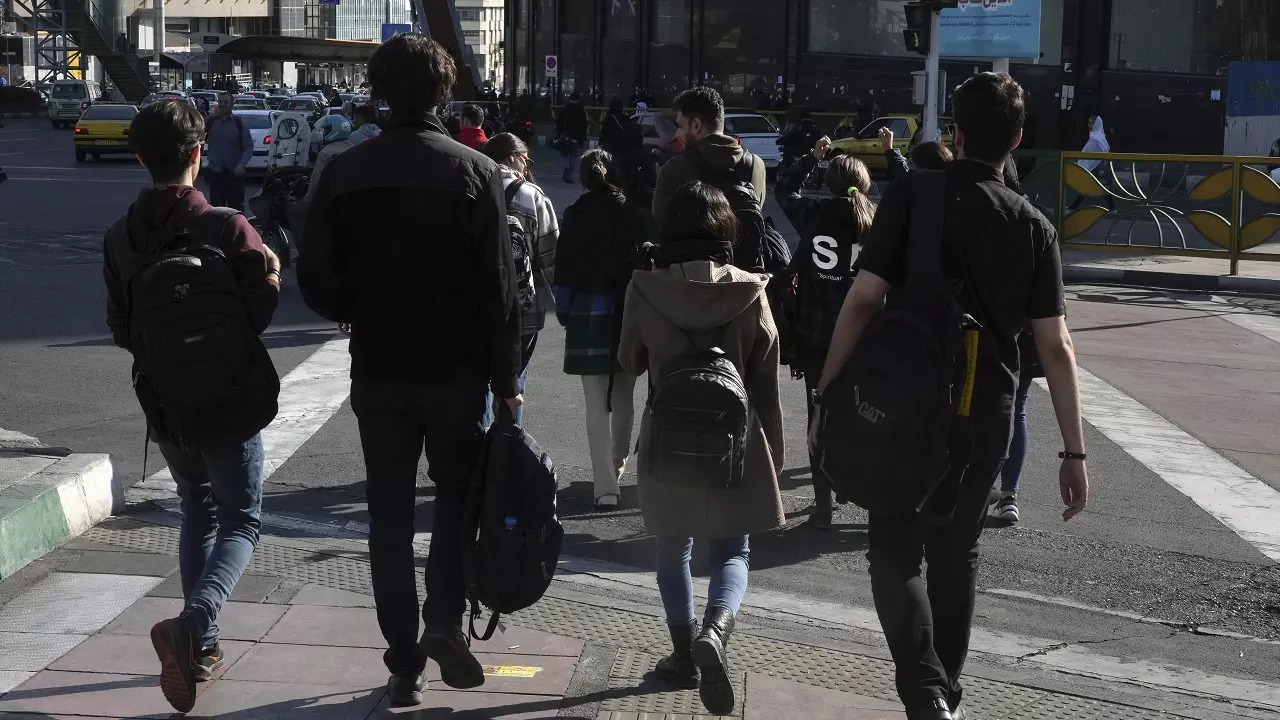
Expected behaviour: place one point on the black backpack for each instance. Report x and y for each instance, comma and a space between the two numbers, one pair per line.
512, 541
758, 241
201, 374
522, 253
893, 426
700, 415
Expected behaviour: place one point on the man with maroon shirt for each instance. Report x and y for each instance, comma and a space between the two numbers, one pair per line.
219, 481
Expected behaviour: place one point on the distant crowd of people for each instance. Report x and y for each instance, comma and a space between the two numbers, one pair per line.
670, 274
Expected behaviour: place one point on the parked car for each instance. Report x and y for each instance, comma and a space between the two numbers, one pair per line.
865, 144
104, 129
274, 101
757, 134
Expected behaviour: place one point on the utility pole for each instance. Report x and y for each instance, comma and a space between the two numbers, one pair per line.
932, 89
159, 33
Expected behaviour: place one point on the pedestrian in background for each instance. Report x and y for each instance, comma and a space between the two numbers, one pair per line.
831, 231
931, 155
434, 325
599, 241
695, 295
471, 126
636, 167
218, 473
571, 132
230, 149
611, 127
530, 206
1003, 255
1097, 143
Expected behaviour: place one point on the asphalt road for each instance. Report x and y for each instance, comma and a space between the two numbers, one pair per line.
1143, 549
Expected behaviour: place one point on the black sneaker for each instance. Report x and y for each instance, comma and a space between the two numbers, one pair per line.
459, 669
173, 644
406, 690
1007, 509
210, 661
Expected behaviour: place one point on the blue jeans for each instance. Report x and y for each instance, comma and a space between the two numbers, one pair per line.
730, 561
1011, 474
570, 151
221, 494
527, 345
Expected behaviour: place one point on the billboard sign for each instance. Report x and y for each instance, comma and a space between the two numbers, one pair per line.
1253, 89
991, 29
390, 30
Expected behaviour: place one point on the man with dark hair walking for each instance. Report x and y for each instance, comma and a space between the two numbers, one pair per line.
700, 122
219, 480
1004, 256
434, 324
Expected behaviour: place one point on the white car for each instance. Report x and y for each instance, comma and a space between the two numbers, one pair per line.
757, 134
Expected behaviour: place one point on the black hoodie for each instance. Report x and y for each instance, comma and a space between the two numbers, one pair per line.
152, 220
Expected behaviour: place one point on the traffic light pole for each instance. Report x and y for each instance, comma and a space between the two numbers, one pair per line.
933, 90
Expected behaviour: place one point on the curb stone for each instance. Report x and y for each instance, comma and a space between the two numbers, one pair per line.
45, 501
1171, 281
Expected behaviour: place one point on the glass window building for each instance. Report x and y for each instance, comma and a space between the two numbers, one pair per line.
1096, 57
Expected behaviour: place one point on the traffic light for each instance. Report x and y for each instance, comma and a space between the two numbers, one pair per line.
918, 37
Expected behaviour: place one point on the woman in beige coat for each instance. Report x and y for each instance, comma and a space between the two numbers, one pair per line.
695, 295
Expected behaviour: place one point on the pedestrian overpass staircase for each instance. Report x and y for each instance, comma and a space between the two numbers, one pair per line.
93, 31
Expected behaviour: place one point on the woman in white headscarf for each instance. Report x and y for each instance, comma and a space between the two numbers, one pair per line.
1097, 143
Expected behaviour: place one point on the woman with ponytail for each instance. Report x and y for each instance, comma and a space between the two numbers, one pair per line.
831, 232
599, 241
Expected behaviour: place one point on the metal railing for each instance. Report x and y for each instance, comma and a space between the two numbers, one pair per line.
1207, 206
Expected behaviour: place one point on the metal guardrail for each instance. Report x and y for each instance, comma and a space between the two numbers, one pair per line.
1208, 206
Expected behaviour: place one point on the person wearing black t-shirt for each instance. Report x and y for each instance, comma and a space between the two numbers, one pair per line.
1005, 256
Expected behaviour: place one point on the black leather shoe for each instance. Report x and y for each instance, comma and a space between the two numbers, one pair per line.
935, 710
711, 656
678, 668
459, 669
406, 690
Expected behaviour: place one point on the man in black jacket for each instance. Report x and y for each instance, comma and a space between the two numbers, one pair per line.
407, 241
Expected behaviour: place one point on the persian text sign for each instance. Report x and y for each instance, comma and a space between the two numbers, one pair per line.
1253, 89
992, 29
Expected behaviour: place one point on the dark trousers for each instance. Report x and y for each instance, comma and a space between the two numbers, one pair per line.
811, 366
226, 189
397, 422
927, 626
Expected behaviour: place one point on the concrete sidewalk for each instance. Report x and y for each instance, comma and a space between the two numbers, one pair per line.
303, 642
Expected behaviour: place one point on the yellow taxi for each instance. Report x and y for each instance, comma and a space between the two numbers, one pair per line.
103, 129
865, 144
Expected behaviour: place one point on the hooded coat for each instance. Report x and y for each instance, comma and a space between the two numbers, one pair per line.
1097, 143
721, 152
700, 297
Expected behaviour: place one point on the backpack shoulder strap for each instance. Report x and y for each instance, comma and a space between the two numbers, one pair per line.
924, 238
745, 171
514, 188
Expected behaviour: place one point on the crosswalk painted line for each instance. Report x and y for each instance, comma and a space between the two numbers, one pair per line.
309, 395
1264, 324
1245, 504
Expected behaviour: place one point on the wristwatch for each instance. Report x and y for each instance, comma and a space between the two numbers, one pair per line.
1072, 455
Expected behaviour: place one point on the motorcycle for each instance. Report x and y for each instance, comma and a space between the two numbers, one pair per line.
281, 190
